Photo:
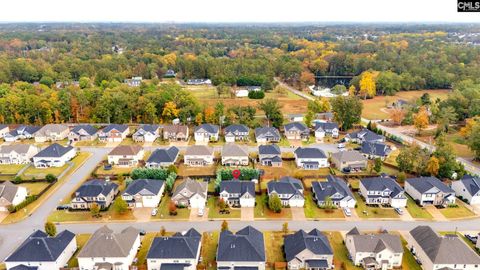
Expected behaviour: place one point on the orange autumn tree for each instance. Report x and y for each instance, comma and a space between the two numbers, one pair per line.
420, 119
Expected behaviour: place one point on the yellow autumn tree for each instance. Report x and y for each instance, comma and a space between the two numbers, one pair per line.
433, 165
469, 124
170, 59
397, 115
352, 90
209, 114
420, 119
368, 88
170, 111
199, 118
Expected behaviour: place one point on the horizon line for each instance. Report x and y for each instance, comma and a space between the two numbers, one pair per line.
239, 22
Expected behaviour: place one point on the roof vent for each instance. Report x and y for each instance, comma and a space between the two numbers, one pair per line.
232, 246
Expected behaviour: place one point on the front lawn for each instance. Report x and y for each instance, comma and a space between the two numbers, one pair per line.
213, 210
81, 241
90, 143
365, 211
262, 211
417, 211
313, 211
35, 188
115, 170
79, 216
457, 212
163, 212
274, 246
340, 252
408, 261
11, 168
209, 249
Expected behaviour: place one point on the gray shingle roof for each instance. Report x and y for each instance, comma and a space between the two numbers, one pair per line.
366, 135
348, 156
326, 126
270, 149
95, 187
333, 186
177, 246
239, 187
105, 243
309, 152
89, 129
209, 128
296, 126
24, 267
377, 242
8, 191
39, 247
49, 128
54, 150
144, 187
234, 150
315, 241
424, 184
199, 150
117, 127
375, 148
263, 132
236, 129
22, 130
286, 185
472, 184
380, 184
147, 129
246, 245
18, 148
444, 250
195, 187
164, 155
125, 150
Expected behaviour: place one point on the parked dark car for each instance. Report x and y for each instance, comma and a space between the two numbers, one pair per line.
63, 207
107, 167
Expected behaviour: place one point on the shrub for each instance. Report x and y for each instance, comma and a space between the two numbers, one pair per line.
256, 94
172, 209
28, 200
50, 228
275, 204
149, 173
17, 180
50, 178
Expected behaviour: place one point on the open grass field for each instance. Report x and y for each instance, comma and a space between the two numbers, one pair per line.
262, 211
209, 249
457, 212
35, 188
340, 252
11, 168
313, 211
81, 241
364, 211
458, 143
375, 108
213, 210
417, 211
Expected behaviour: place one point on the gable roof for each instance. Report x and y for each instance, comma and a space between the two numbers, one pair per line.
209, 128
334, 185
366, 135
105, 243
144, 187
380, 184
24, 267
176, 129
234, 150
199, 150
8, 191
326, 126
269, 149
424, 184
375, 243
246, 245
472, 184
266, 132
117, 127
181, 246
443, 250
125, 150
164, 155
89, 129
314, 241
39, 247
286, 185
146, 129
54, 150
236, 128
22, 130
95, 187
348, 156
18, 148
238, 187
296, 126
309, 152
49, 128
375, 148
195, 187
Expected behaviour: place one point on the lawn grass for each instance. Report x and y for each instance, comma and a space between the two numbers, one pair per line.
79, 216
35, 188
81, 241
417, 211
40, 173
11, 168
274, 246
340, 252
209, 249
115, 170
373, 212
213, 210
262, 211
408, 261
90, 143
184, 170
313, 211
354, 183
163, 212
457, 212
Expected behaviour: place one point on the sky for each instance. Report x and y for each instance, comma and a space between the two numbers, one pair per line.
233, 11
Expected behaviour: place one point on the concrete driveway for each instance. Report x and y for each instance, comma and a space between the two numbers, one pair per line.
406, 215
436, 214
247, 214
142, 213
298, 213
194, 215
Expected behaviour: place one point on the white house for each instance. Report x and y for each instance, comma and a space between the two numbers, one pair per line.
310, 158
468, 188
20, 133
234, 155
3, 130
198, 156
52, 132
334, 188
238, 193
382, 191
113, 133
191, 193
323, 129
289, 190
308, 250
206, 133
126, 155
11, 195
146, 133
144, 193
429, 191
17, 153
42, 252
54, 155
110, 250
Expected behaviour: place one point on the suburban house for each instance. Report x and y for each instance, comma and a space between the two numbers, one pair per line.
234, 155
109, 250
364, 135
126, 155
295, 117
267, 134
310, 158
146, 133
175, 133
374, 251
3, 130
17, 153
191, 193
296, 131
162, 157
82, 133
206, 133
241, 93
11, 195
382, 191
373, 150
289, 190
236, 132
336, 190
242, 250
144, 193
54, 155
351, 160
323, 129
441, 252
133, 82
170, 73
237, 193
199, 82
198, 156
179, 251
21, 133
308, 250
93, 191
113, 133
429, 191
52, 132
42, 252
468, 188
270, 155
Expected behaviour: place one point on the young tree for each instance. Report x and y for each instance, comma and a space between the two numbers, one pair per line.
378, 165
172, 209
221, 204
163, 232
199, 118
272, 111
367, 85
209, 114
50, 178
285, 228
420, 119
397, 116
120, 205
94, 210
222, 89
433, 166
224, 226
275, 204
170, 111
50, 228
347, 111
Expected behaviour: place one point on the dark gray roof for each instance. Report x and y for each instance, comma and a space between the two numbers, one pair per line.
54, 150
444, 250
235, 129
333, 186
144, 187
246, 245
267, 132
148, 129
296, 126
181, 246
315, 241
286, 185
375, 148
270, 149
239, 187
120, 128
24, 267
424, 184
164, 155
326, 126
89, 129
39, 247
173, 266
376, 242
380, 184
95, 187
472, 184
193, 186
366, 135
309, 152
105, 243
208, 128
8, 191
21, 130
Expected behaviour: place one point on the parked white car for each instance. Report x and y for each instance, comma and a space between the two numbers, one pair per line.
347, 211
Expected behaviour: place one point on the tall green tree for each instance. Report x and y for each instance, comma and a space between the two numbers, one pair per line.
347, 111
